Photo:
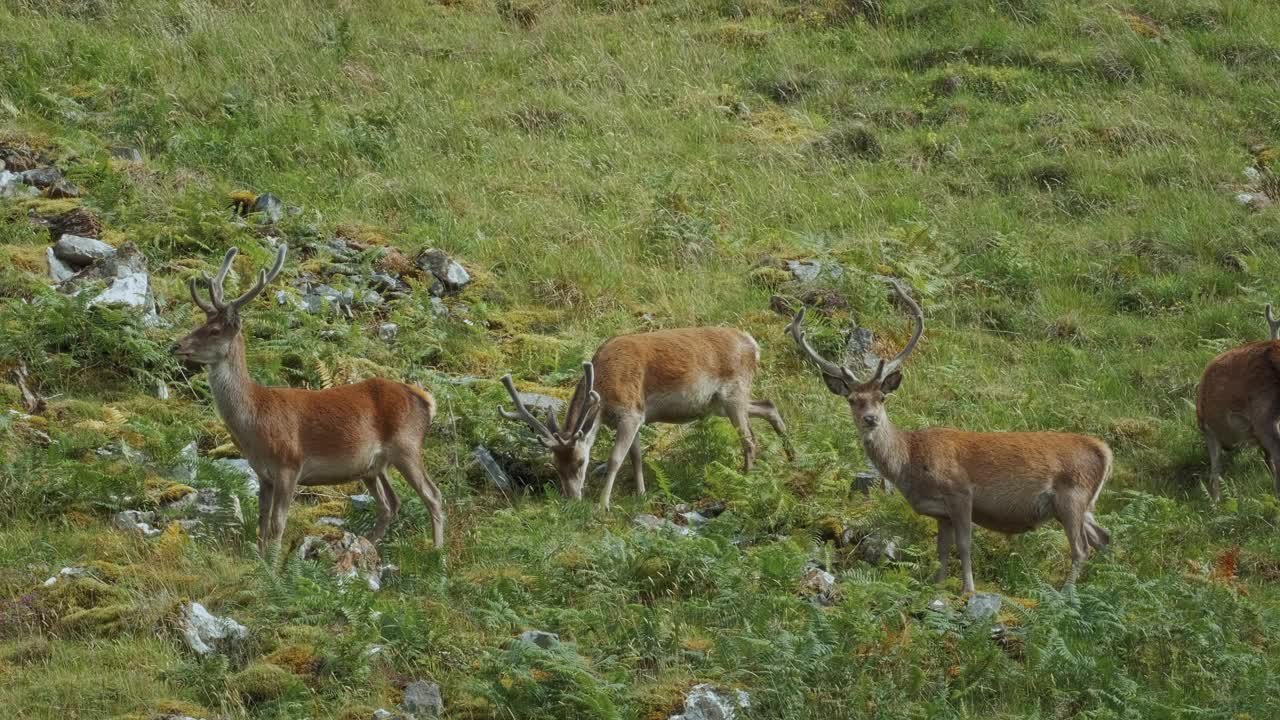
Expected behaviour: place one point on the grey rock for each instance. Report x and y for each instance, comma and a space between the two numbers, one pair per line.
875, 548
135, 521
819, 584
652, 522
386, 282
452, 276
1254, 201
133, 291
9, 183
864, 481
59, 272
362, 502
331, 522
1252, 175
694, 519
387, 332
541, 638
492, 469
422, 700
438, 307
858, 349
539, 404
128, 154
810, 271
126, 260
383, 714
241, 467
62, 189
269, 208
81, 251
982, 606
370, 298
185, 469
207, 634
353, 557
704, 702
65, 573
937, 605
42, 177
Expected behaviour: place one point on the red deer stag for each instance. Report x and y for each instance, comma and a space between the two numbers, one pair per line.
297, 437
1010, 482
668, 376
1238, 403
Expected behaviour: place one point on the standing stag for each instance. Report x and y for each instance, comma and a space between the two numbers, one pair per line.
1238, 403
668, 376
1010, 482
310, 437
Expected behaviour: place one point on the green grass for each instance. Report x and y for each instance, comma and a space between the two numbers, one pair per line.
1054, 179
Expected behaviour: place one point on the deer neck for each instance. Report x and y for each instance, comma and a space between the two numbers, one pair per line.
233, 392
886, 448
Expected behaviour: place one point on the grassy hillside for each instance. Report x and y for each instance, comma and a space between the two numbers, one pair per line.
1056, 180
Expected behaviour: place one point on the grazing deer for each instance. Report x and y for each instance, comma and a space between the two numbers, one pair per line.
668, 376
1238, 403
1010, 482
297, 437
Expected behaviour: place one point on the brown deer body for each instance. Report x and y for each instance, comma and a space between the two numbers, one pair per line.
1008, 482
295, 437
668, 376
1238, 403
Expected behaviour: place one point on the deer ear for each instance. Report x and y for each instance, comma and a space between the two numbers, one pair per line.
836, 385
891, 383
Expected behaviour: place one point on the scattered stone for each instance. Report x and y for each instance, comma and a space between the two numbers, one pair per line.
59, 272
451, 276
124, 261
438, 307
422, 700
133, 291
352, 556
128, 154
62, 190
1252, 175
42, 177
875, 548
652, 522
1255, 201
209, 502
81, 251
383, 714
937, 605
541, 638
241, 467
492, 469
135, 521
819, 585
206, 633
331, 522
982, 606
66, 572
361, 502
704, 703
387, 332
9, 183
317, 298
269, 208
809, 271
693, 519
864, 481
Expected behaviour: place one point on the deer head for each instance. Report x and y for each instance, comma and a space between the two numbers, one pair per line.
570, 448
214, 340
866, 397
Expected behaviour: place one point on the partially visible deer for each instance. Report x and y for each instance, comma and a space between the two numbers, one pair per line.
297, 437
1238, 403
668, 376
1010, 482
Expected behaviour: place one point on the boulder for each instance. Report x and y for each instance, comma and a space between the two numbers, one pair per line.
449, 274
875, 548
810, 271
704, 702
492, 469
387, 332
132, 291
42, 177
207, 634
982, 606
241, 467
353, 557
81, 251
422, 700
362, 501
9, 183
269, 208
59, 272
136, 521
541, 638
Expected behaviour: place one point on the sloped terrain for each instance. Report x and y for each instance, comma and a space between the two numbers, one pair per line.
1081, 194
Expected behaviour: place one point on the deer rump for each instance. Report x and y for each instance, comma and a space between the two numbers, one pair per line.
1238, 390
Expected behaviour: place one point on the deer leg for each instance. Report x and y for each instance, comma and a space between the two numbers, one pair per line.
264, 514
627, 433
1269, 439
739, 415
637, 463
1215, 464
283, 485
946, 534
960, 509
765, 409
410, 466
378, 490
1069, 507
